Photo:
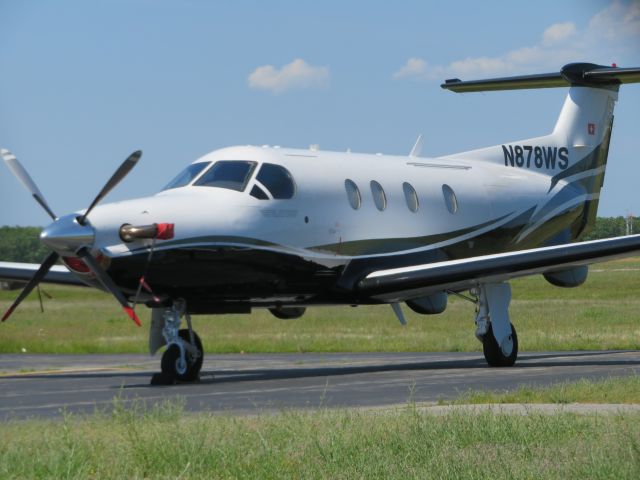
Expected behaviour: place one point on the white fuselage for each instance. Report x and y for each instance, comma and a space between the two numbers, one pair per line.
319, 222
345, 214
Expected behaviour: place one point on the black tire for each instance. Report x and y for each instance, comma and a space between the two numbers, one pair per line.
169, 359
493, 353
195, 365
172, 355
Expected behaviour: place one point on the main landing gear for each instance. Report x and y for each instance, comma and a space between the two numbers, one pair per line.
182, 359
493, 328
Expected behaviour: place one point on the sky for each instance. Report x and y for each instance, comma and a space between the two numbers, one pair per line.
84, 83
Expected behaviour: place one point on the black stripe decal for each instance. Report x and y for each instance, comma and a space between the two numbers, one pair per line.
388, 245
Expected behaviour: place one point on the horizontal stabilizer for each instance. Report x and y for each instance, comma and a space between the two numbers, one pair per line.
573, 74
619, 75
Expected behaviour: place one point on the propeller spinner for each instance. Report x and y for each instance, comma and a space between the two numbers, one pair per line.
71, 233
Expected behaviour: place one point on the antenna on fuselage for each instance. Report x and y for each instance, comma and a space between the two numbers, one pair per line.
417, 147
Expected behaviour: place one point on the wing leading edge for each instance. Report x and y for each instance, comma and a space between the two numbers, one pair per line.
22, 272
399, 284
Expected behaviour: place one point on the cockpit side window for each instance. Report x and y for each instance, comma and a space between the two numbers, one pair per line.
231, 174
276, 180
257, 192
187, 175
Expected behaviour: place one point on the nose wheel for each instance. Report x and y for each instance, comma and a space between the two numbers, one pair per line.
183, 368
183, 357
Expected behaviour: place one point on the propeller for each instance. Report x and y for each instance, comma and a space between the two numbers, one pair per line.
122, 172
84, 253
107, 283
21, 174
35, 280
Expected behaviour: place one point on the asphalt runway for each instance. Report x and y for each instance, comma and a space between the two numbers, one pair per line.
47, 385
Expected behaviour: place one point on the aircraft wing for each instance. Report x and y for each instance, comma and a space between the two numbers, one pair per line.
399, 284
22, 272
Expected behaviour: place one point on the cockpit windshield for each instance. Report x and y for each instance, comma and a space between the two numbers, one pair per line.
231, 174
187, 175
272, 181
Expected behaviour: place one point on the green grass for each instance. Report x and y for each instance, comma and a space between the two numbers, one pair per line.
610, 390
604, 313
164, 442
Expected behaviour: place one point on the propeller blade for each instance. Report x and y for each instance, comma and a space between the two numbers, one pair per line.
108, 283
122, 172
35, 280
21, 174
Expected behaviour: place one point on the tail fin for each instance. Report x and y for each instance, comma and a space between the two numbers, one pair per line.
586, 115
577, 149
587, 112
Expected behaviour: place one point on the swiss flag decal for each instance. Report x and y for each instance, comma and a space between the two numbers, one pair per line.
591, 128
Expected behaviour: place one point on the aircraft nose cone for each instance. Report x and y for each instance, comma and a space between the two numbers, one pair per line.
66, 235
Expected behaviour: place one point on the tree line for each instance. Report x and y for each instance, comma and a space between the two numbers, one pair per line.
607, 227
22, 244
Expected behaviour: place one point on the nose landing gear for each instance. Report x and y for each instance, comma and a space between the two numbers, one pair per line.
182, 360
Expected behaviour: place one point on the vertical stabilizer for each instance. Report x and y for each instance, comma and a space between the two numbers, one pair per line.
574, 155
585, 116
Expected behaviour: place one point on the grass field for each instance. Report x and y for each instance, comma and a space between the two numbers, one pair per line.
604, 313
611, 390
164, 442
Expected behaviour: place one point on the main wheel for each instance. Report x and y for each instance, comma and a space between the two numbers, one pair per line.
493, 353
172, 365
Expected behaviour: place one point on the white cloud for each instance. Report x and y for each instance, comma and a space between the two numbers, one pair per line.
618, 21
295, 75
612, 35
558, 32
415, 67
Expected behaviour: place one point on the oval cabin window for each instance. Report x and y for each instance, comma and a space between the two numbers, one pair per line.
450, 198
379, 197
410, 196
353, 194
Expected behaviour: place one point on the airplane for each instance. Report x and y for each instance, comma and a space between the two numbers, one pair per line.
284, 229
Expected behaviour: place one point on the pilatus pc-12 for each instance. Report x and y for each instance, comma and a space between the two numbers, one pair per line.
284, 229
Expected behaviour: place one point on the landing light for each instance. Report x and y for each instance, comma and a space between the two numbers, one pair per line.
160, 231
